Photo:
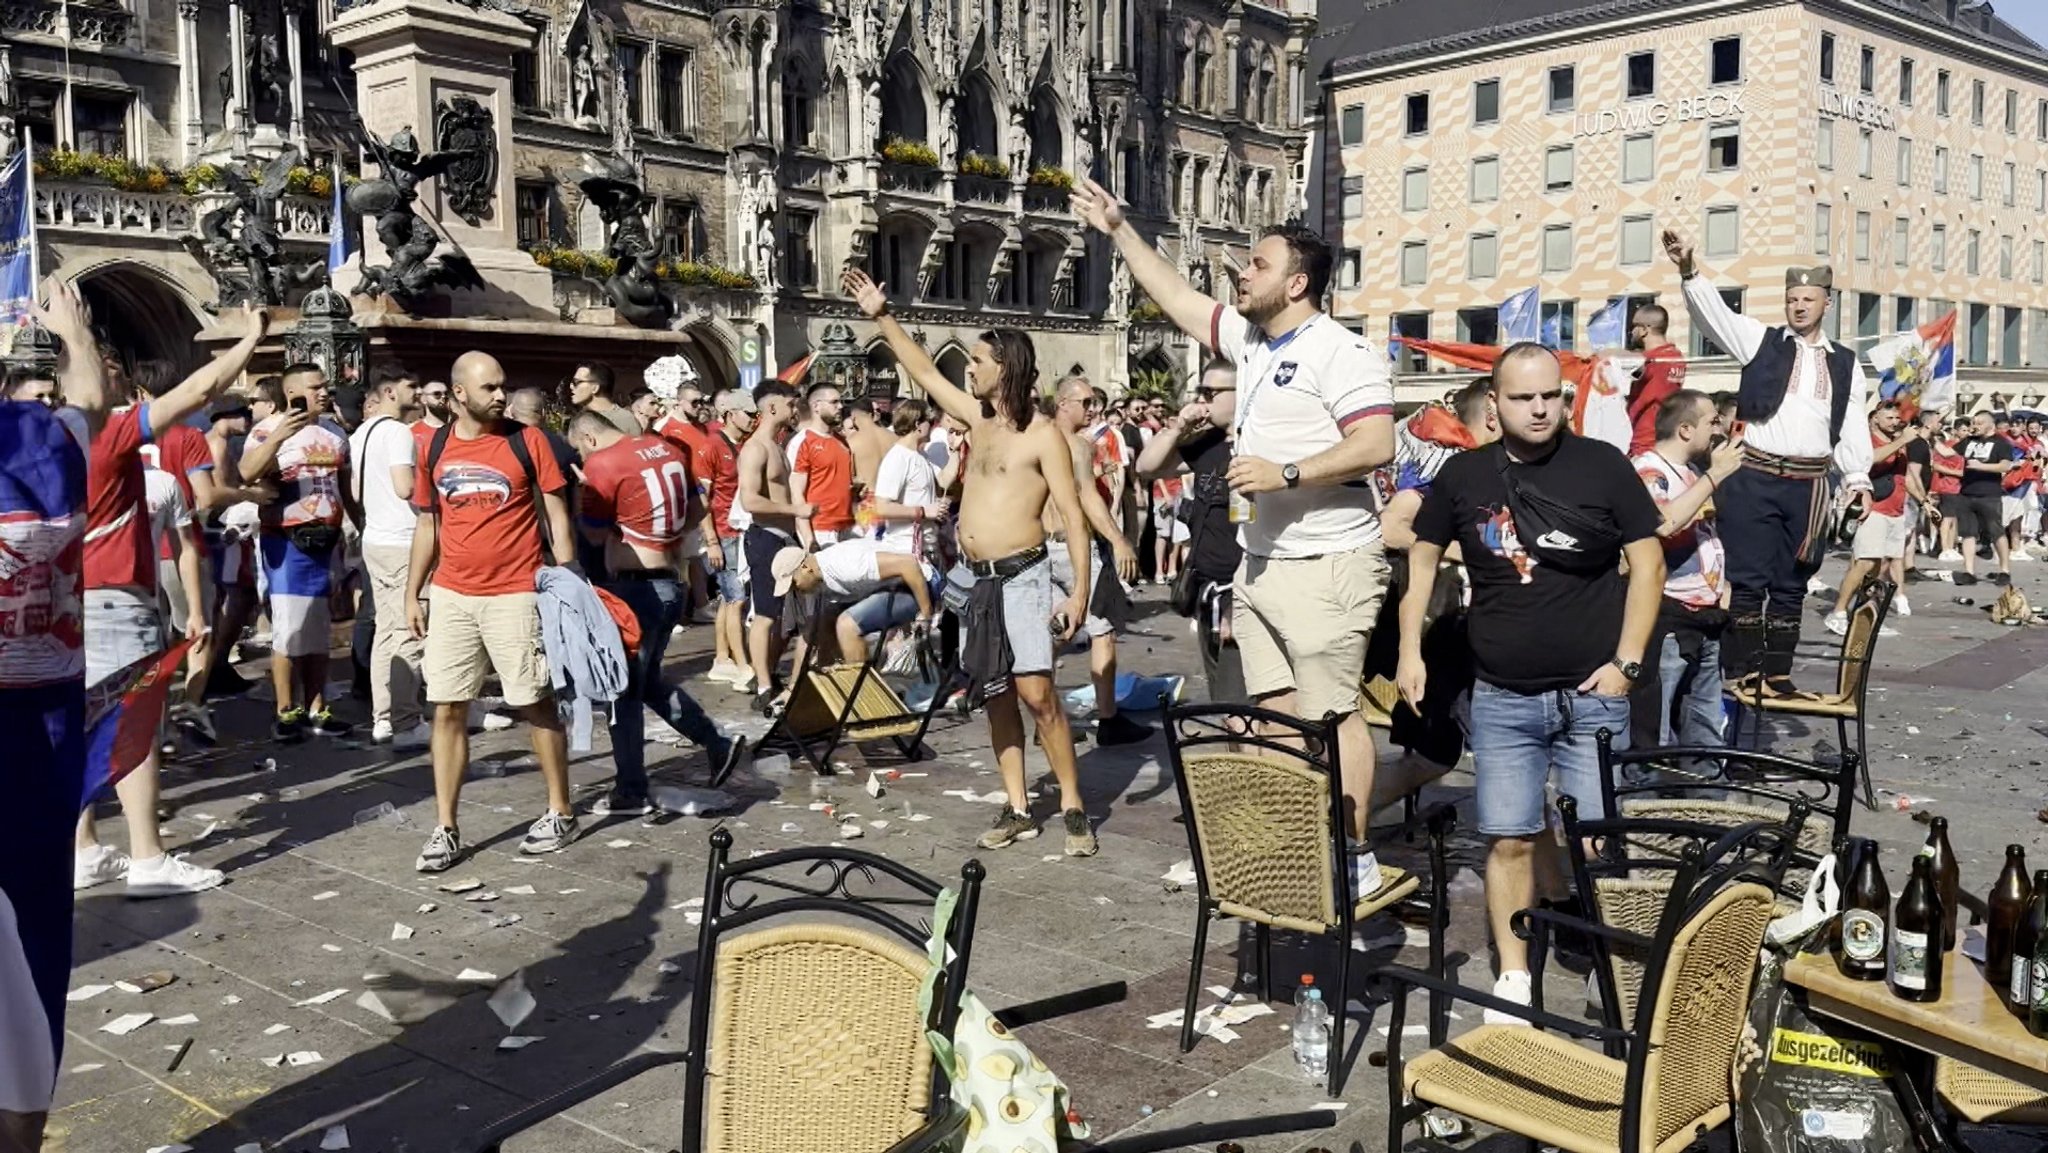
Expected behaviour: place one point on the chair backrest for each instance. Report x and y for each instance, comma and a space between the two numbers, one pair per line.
805, 1032
1262, 814
1730, 787
1866, 617
1683, 1075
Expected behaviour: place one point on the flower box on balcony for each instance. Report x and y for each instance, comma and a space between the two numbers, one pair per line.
909, 153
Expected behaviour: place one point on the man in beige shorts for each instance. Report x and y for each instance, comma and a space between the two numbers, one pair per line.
482, 486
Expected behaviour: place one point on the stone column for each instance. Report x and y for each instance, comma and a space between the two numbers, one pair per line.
236, 116
294, 60
192, 132
1233, 100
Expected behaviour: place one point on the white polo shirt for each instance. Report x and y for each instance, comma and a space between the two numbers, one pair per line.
1296, 394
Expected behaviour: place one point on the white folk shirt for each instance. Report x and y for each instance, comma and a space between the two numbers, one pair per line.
1296, 394
1801, 425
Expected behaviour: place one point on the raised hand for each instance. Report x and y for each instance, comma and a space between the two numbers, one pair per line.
1097, 206
63, 313
1679, 249
870, 297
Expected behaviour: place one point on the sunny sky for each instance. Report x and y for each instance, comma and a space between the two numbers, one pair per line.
2029, 16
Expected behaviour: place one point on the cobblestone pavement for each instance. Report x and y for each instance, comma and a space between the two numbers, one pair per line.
275, 965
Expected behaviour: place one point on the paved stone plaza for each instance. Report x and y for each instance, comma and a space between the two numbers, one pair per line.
604, 935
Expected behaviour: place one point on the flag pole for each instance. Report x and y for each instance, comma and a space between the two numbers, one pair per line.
35, 245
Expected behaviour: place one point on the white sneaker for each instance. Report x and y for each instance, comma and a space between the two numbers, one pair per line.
97, 866
1513, 986
723, 671
1365, 876
481, 717
169, 876
2021, 554
742, 681
1900, 606
380, 732
414, 739
1950, 557
1838, 623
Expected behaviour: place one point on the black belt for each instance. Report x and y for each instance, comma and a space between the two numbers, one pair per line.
1003, 568
643, 574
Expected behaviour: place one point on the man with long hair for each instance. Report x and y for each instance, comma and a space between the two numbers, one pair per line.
1017, 464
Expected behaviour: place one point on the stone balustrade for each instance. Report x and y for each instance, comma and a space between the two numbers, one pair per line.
99, 208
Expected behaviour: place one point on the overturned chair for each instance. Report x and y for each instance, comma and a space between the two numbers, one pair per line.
831, 705
1262, 796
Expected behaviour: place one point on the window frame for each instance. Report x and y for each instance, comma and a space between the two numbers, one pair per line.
1732, 127
1420, 249
1628, 80
1713, 63
1648, 223
1551, 106
1491, 160
1349, 117
1825, 62
1571, 250
1570, 152
1649, 140
1472, 241
1824, 229
1407, 175
1477, 87
1409, 106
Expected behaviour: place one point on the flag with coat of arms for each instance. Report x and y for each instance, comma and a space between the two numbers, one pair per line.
1918, 368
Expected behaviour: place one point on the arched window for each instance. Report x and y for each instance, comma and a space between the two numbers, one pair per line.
903, 106
1203, 80
799, 104
1048, 134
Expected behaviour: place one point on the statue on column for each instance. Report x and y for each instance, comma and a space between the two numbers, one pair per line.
269, 78
612, 184
240, 243
410, 240
583, 86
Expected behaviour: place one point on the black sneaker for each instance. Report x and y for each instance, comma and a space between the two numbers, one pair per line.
1121, 730
621, 802
226, 682
1080, 836
324, 723
1011, 826
196, 723
289, 728
2001, 579
1964, 578
723, 766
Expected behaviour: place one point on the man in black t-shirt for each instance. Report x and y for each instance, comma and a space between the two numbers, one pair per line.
1987, 457
1558, 636
1197, 442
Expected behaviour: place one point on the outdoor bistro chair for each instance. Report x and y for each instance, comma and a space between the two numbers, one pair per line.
1846, 704
804, 1029
1265, 819
1985, 1098
1674, 1079
848, 703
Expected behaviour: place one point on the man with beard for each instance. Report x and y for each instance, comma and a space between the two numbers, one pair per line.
1108, 605
1662, 373
1315, 415
821, 471
773, 517
1016, 464
1197, 441
433, 402
589, 389
1798, 389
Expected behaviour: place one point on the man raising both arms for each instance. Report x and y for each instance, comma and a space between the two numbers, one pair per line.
1315, 415
1016, 467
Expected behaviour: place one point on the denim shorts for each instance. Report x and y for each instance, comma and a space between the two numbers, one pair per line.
121, 627
732, 579
1519, 738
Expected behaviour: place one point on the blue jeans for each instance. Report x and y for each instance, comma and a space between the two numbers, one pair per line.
658, 606
1691, 692
1518, 738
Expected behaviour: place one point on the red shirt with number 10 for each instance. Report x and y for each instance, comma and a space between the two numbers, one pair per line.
641, 485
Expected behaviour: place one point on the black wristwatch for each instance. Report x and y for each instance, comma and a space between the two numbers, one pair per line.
1291, 474
1633, 670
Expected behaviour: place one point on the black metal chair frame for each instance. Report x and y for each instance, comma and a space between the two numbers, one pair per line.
1742, 773
1691, 878
1199, 726
1880, 590
818, 751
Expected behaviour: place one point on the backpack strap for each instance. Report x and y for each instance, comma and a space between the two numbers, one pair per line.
356, 471
516, 441
435, 448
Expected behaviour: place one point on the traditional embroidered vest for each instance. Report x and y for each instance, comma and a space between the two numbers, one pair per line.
1766, 377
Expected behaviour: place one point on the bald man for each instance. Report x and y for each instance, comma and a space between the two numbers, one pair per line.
482, 488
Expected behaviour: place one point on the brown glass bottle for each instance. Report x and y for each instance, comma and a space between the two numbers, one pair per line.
1864, 927
2019, 987
2008, 906
2037, 979
1916, 953
1948, 880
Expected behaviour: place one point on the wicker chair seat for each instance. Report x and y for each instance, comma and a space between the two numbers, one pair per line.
877, 713
858, 1068
1987, 1098
1396, 885
1537, 1084
1825, 705
1381, 696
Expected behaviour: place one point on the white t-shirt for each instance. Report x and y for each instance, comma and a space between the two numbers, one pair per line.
380, 445
168, 513
903, 477
1295, 397
849, 569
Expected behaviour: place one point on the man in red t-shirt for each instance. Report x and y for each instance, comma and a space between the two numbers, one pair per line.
479, 535
717, 470
640, 504
1879, 549
123, 624
687, 424
183, 453
821, 471
1662, 373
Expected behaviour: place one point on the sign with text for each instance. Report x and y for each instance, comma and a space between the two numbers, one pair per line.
1864, 110
1640, 115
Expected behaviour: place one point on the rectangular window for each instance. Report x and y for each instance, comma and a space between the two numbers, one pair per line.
1831, 322
1937, 248
1823, 230
1724, 233
799, 249
1973, 263
681, 229
1866, 153
1479, 325
1414, 189
1351, 126
1979, 351
1638, 158
1559, 320
2009, 186
1414, 263
1351, 199
38, 113
99, 123
1902, 241
2040, 259
1906, 82
1940, 169
1557, 168
1862, 237
2041, 190
1827, 58
525, 80
532, 199
1418, 113
2037, 336
672, 77
1637, 247
1724, 147
1482, 256
1866, 69
1701, 346
1977, 103
1724, 60
1824, 146
1485, 179
1905, 155
1557, 248
1941, 92
1563, 93
1976, 177
1348, 262
1905, 313
2041, 120
2012, 112
1486, 102
2009, 337
1642, 75
1413, 326
1869, 314
2005, 258
629, 56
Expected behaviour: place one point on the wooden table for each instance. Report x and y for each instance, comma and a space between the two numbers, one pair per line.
1968, 1023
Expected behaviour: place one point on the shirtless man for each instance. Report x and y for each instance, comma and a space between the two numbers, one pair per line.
765, 496
1016, 463
1107, 602
870, 439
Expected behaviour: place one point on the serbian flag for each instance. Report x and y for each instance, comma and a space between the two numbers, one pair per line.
794, 373
1918, 368
122, 717
1599, 382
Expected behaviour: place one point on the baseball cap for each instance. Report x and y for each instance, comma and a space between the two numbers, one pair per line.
227, 408
784, 567
736, 400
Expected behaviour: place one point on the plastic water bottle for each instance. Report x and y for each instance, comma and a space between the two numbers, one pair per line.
1301, 992
1312, 1035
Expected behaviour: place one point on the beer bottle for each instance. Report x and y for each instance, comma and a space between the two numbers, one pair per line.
2019, 990
1916, 953
1866, 915
2008, 904
1947, 879
2037, 982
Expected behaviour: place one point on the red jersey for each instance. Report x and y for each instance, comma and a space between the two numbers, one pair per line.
682, 432
1893, 466
641, 486
1662, 374
490, 516
181, 451
118, 548
1108, 458
718, 477
829, 464
423, 438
